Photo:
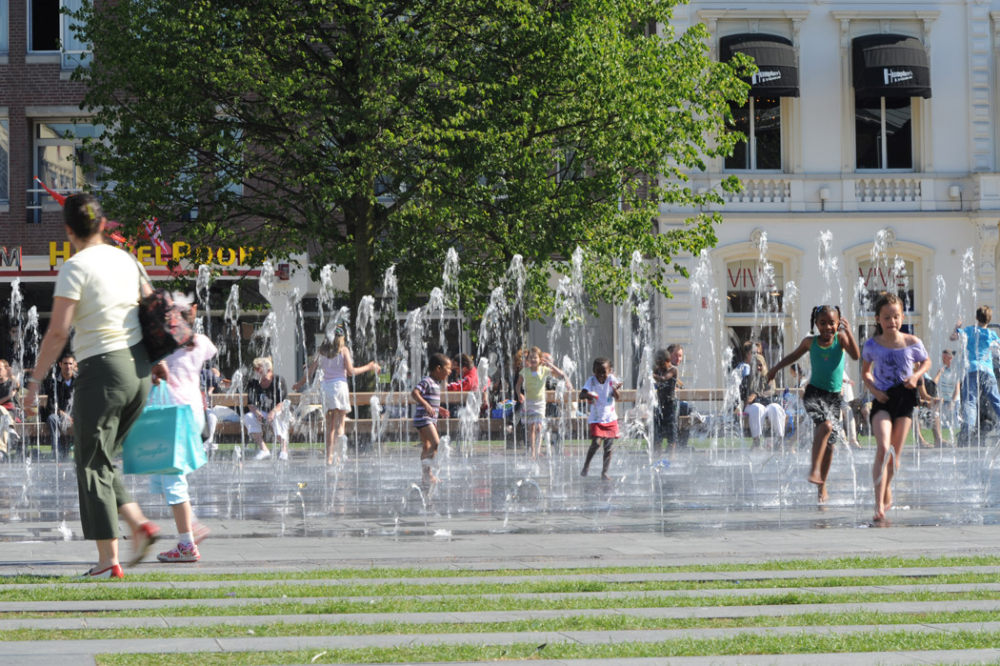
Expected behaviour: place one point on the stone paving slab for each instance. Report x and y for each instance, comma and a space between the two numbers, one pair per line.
595, 574
714, 612
13, 649
526, 551
147, 604
830, 659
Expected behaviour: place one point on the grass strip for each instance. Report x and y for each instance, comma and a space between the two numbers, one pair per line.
745, 644
503, 603
103, 591
613, 622
387, 572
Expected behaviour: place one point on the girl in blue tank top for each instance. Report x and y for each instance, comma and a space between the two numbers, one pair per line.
822, 399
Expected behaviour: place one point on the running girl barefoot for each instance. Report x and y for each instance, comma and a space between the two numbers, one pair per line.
530, 389
427, 395
893, 364
822, 399
601, 391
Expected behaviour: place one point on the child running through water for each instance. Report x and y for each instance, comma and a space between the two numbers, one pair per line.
184, 388
334, 359
893, 363
601, 391
427, 395
532, 380
822, 399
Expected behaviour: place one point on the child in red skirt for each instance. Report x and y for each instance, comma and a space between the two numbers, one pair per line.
601, 391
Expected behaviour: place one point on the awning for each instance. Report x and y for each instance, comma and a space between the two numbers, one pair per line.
890, 66
777, 71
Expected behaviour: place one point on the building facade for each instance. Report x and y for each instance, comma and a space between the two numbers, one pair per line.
871, 165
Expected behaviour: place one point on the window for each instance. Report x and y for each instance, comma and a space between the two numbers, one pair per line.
889, 72
760, 121
51, 30
4, 27
755, 306
883, 131
751, 289
881, 277
60, 160
4, 160
43, 20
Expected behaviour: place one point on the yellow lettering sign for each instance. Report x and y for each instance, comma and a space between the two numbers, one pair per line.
158, 259
55, 252
181, 250
228, 253
143, 253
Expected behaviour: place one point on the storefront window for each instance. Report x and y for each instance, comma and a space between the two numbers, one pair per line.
752, 288
880, 278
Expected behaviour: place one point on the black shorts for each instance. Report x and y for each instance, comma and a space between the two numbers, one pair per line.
822, 405
902, 402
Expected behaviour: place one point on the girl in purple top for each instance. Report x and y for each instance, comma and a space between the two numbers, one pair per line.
893, 363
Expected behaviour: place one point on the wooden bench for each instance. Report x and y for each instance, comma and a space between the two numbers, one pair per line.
703, 399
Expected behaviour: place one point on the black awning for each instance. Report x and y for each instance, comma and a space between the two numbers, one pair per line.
778, 72
890, 66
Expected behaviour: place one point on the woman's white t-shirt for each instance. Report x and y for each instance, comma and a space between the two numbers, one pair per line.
104, 281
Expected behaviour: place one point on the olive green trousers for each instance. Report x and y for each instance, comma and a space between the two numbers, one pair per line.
109, 395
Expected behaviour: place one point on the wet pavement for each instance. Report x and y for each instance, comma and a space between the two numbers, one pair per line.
497, 510
495, 491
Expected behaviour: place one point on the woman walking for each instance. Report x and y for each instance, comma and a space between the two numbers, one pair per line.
97, 294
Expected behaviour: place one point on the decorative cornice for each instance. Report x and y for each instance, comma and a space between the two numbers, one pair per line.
717, 14
866, 15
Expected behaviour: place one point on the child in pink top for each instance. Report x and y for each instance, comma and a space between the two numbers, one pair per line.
184, 388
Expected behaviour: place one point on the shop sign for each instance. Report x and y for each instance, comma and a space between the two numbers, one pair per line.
152, 255
10, 258
881, 278
749, 275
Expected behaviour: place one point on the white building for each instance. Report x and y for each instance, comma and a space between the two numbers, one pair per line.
865, 117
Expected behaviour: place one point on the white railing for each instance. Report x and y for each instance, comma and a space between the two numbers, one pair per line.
884, 189
762, 190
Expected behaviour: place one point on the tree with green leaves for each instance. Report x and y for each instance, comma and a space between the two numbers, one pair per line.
378, 132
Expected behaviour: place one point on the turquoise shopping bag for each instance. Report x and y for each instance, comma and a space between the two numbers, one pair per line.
164, 440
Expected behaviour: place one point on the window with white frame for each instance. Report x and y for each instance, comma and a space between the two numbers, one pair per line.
889, 72
755, 306
60, 159
52, 30
759, 120
883, 133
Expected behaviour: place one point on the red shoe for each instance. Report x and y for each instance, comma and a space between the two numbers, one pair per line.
144, 538
114, 571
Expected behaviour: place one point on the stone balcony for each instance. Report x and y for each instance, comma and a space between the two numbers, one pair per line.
881, 191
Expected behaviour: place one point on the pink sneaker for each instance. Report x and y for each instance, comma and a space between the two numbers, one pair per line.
144, 538
182, 553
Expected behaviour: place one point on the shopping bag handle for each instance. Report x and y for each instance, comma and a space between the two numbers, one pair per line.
158, 395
